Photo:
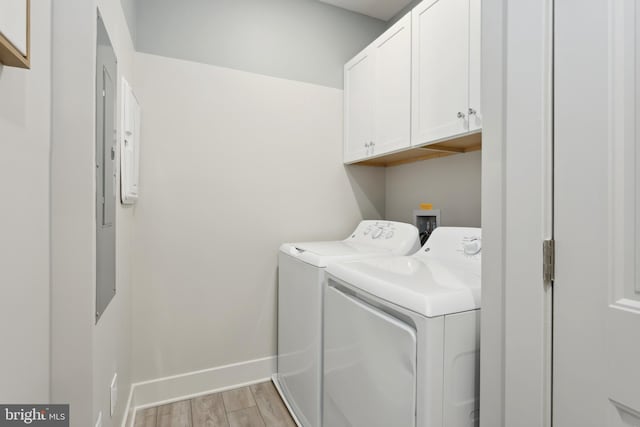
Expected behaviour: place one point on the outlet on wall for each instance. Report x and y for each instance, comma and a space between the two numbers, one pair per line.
99, 420
114, 393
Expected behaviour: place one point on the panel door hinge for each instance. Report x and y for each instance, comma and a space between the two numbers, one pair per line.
548, 260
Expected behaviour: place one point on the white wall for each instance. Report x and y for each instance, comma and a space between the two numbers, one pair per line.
113, 333
24, 219
233, 164
84, 355
451, 184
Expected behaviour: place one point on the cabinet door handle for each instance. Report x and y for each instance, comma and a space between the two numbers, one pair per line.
369, 146
472, 112
461, 115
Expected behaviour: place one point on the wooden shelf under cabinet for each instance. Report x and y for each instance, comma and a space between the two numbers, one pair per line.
464, 144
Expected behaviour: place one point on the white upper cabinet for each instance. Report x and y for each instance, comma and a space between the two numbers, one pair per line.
441, 76
475, 47
378, 95
416, 85
358, 106
392, 108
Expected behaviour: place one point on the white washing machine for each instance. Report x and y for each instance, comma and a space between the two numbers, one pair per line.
300, 306
401, 337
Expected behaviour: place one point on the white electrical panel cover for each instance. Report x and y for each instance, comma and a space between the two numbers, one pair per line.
130, 145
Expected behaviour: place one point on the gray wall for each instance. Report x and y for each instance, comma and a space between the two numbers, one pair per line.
25, 111
451, 183
129, 10
398, 15
302, 40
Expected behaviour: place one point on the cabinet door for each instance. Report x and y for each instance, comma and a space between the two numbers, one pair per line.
392, 111
440, 97
475, 113
359, 78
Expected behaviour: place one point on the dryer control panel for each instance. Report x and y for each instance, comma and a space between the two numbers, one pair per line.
397, 236
451, 243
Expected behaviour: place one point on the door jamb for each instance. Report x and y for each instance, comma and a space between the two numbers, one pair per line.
517, 208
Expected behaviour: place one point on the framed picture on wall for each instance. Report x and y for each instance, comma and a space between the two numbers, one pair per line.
15, 28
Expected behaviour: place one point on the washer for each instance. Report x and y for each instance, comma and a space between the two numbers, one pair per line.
300, 306
401, 336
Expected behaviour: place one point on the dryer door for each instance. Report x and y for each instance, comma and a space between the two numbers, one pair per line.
370, 366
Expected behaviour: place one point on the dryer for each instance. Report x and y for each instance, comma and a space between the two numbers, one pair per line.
401, 336
301, 278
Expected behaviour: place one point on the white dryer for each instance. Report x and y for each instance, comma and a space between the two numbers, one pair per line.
401, 337
301, 278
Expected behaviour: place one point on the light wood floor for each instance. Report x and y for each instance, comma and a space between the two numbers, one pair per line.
258, 405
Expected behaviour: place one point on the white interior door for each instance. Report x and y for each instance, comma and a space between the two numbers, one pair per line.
597, 214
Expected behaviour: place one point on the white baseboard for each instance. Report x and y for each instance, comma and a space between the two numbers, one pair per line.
130, 410
174, 388
276, 383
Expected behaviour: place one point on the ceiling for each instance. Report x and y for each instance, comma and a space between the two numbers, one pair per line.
381, 9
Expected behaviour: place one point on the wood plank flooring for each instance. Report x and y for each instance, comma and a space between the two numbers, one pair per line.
258, 405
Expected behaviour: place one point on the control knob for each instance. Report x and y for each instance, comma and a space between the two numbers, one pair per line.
472, 247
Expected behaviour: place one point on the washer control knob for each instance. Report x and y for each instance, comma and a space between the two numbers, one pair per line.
472, 247
377, 233
389, 234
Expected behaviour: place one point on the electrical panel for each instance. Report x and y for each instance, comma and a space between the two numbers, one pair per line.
130, 146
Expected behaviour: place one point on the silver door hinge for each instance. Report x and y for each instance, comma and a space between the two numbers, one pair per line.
548, 260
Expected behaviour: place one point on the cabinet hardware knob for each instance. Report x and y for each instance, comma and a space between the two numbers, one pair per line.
460, 115
472, 111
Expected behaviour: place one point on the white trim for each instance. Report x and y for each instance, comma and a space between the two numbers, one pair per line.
274, 380
130, 409
188, 385
517, 101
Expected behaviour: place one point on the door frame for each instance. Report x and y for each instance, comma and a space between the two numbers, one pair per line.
517, 212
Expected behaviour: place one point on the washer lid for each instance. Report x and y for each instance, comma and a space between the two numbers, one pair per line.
370, 238
430, 288
320, 253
